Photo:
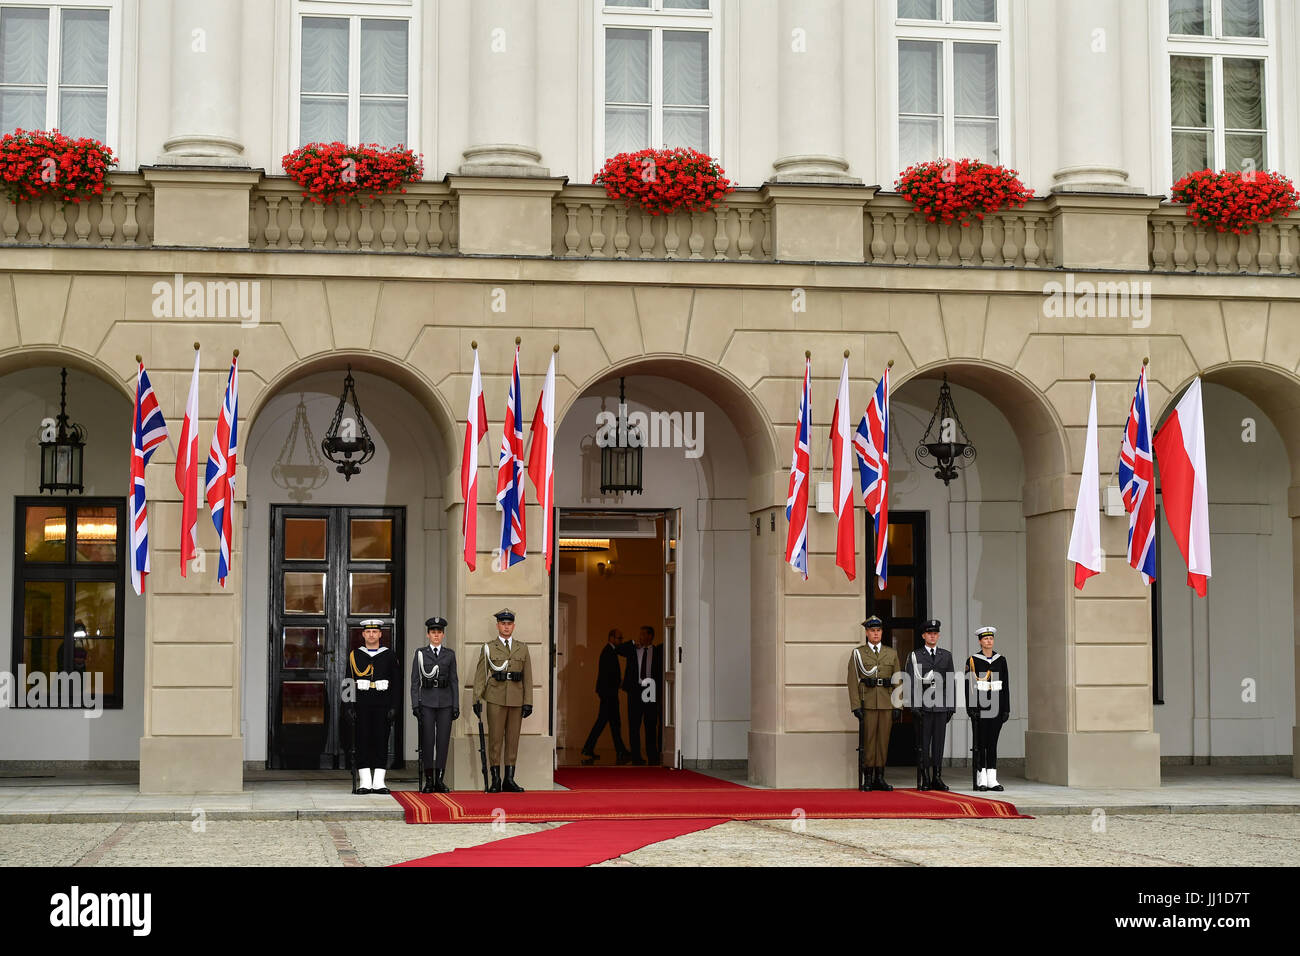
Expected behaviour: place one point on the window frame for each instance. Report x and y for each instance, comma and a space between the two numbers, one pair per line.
70, 572
54, 54
946, 31
656, 19
1216, 47
354, 11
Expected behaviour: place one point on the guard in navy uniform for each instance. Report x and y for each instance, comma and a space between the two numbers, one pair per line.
933, 700
378, 678
988, 701
435, 702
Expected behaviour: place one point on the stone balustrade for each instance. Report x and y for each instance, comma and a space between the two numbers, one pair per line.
1179, 246
894, 234
121, 217
421, 220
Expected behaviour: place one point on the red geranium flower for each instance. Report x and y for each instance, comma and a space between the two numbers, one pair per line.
1235, 202
45, 164
663, 181
333, 172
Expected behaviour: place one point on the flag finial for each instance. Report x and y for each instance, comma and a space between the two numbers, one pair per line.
236, 353
807, 354
473, 344
556, 349
1092, 376
889, 364
518, 340
1146, 360
846, 353
196, 346
139, 358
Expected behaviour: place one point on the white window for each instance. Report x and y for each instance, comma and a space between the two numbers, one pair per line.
659, 75
55, 63
951, 80
1219, 68
354, 74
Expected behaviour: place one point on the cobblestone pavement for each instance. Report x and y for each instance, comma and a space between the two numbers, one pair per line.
1207, 839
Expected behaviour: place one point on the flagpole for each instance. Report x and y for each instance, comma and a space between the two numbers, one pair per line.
1145, 361
826, 459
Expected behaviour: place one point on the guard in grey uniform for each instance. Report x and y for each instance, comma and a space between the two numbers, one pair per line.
435, 702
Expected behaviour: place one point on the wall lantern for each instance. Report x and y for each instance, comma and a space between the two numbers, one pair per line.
948, 453
299, 479
348, 437
62, 452
621, 458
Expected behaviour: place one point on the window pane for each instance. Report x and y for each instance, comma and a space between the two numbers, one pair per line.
1242, 18
686, 4
84, 60
22, 109
975, 73
43, 608
920, 66
97, 656
686, 68
304, 592
96, 534
383, 57
42, 656
626, 130
1189, 17
372, 593
304, 539
897, 598
903, 640
323, 120
24, 46
46, 534
1190, 84
324, 55
918, 9
383, 121
628, 3
302, 702
687, 128
627, 66
918, 141
304, 647
900, 544
372, 539
83, 113
1191, 152
975, 11
96, 609
1243, 93
1245, 151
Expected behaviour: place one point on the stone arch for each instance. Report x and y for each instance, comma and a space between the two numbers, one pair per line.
59, 356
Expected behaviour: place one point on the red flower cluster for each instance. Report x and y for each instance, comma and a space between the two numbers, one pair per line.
662, 181
333, 172
1235, 202
954, 190
41, 164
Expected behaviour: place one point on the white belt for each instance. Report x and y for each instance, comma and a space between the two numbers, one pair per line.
988, 685
363, 685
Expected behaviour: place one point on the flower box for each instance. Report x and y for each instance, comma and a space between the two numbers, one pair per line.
45, 164
1235, 202
664, 181
333, 172
961, 190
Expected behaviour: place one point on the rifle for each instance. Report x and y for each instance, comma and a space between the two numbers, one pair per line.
482, 752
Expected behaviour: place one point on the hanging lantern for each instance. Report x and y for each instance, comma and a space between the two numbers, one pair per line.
943, 450
299, 479
348, 437
62, 455
620, 461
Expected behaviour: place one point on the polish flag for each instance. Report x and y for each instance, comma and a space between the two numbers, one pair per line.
541, 457
475, 428
1180, 453
1085, 539
842, 478
187, 471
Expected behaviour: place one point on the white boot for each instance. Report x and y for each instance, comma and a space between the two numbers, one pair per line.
993, 780
364, 780
379, 780
981, 779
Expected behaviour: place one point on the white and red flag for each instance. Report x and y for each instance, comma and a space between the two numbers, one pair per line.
842, 479
1085, 537
871, 443
510, 476
475, 428
541, 457
148, 431
187, 470
1180, 452
219, 477
796, 502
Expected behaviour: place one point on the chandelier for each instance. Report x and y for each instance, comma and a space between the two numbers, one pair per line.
348, 437
942, 451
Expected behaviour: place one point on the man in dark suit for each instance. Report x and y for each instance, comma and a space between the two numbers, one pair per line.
435, 702
933, 698
607, 683
644, 681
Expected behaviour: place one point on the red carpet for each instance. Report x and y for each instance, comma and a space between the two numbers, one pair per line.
574, 844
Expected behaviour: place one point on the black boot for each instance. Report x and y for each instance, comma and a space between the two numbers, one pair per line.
864, 778
624, 757
428, 782
510, 786
881, 784
495, 786
439, 786
937, 783
925, 778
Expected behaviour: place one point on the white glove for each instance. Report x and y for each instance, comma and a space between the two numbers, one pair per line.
363, 685
381, 685
928, 678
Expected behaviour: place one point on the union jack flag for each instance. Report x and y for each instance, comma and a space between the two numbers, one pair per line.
871, 442
1137, 483
148, 431
510, 476
796, 504
219, 482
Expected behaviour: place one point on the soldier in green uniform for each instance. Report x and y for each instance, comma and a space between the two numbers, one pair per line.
872, 667
504, 678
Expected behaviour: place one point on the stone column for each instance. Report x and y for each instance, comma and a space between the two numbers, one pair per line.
810, 84
1091, 96
206, 43
503, 90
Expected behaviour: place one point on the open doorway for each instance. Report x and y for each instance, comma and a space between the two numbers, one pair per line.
617, 572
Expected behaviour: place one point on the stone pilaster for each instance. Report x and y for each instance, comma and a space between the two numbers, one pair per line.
205, 79
503, 90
